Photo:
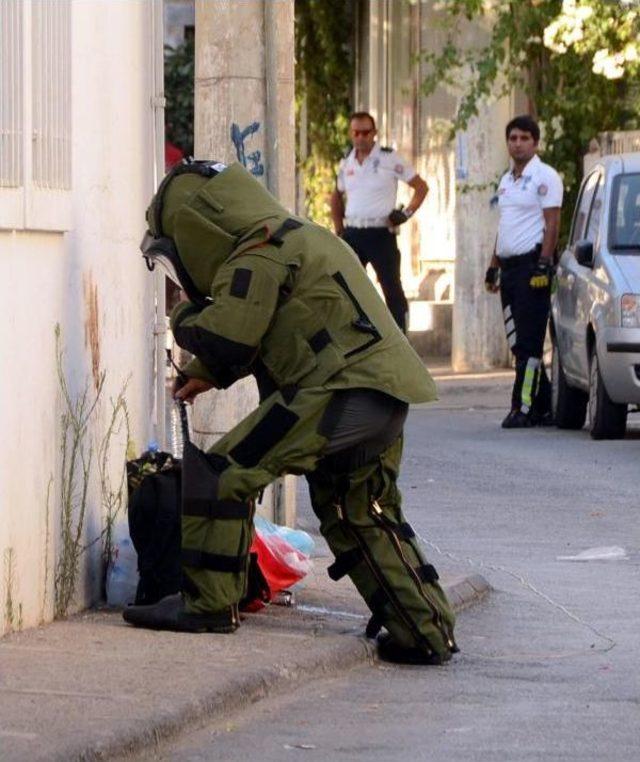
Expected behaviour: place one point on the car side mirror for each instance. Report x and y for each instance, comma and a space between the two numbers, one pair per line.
583, 252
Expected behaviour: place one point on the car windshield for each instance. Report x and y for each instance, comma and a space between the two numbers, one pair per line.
624, 231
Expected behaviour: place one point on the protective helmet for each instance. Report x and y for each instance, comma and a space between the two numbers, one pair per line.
158, 247
202, 212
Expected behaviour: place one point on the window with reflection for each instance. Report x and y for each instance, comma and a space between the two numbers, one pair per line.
624, 230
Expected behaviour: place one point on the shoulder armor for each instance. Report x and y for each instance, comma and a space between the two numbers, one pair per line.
386, 149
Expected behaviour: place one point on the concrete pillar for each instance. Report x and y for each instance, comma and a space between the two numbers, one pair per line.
478, 340
244, 88
244, 111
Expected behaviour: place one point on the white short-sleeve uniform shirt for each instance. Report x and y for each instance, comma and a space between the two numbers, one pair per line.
372, 186
521, 203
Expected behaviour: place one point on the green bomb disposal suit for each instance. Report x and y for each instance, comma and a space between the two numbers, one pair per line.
284, 300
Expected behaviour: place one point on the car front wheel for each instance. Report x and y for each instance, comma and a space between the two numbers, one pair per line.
569, 405
607, 419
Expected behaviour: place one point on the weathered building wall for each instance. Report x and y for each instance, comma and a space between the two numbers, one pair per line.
89, 279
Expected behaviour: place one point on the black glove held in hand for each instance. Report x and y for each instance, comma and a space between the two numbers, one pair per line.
491, 278
397, 217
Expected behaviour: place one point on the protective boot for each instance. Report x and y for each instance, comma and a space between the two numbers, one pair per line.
390, 650
362, 521
170, 613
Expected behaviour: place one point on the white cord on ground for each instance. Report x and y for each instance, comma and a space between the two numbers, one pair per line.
527, 585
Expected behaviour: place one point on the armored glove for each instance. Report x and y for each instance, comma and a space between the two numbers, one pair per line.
398, 216
492, 279
541, 276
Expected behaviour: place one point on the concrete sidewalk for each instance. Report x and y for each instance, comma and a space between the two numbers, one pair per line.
92, 687
487, 389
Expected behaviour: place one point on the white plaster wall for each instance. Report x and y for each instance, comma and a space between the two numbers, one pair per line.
29, 412
93, 283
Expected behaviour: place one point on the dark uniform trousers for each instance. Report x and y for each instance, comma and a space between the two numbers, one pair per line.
378, 246
526, 312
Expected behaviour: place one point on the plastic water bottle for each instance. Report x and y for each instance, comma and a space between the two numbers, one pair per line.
122, 574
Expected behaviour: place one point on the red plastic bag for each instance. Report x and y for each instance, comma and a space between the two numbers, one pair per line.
281, 564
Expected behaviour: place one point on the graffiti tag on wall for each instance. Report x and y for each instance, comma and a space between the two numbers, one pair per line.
249, 160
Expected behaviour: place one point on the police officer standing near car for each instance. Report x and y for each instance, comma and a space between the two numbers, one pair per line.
529, 202
369, 176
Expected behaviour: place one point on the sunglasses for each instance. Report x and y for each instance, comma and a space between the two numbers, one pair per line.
363, 133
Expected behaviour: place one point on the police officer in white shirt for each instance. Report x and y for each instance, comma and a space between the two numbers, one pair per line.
369, 176
529, 201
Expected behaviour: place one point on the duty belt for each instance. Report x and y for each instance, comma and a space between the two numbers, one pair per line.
366, 222
518, 259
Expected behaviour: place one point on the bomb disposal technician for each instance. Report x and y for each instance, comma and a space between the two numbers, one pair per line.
529, 201
284, 300
369, 177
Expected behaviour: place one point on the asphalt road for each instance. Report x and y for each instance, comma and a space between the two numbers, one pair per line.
553, 678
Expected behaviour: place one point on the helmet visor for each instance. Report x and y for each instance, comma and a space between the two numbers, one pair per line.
160, 252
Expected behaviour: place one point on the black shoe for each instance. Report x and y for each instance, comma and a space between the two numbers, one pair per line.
170, 613
389, 650
546, 419
517, 420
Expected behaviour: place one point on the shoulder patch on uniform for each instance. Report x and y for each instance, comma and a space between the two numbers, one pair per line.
240, 282
386, 149
542, 190
399, 169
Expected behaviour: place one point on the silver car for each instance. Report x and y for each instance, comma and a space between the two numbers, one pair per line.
595, 310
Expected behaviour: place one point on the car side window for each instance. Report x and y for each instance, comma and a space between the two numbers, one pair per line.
593, 223
584, 204
625, 212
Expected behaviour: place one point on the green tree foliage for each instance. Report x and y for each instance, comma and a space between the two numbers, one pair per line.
576, 60
324, 75
179, 69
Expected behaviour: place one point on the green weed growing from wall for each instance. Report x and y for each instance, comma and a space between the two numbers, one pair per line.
77, 455
12, 614
47, 541
77, 461
113, 496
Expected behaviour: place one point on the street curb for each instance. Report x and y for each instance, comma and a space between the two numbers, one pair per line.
467, 591
463, 591
234, 697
